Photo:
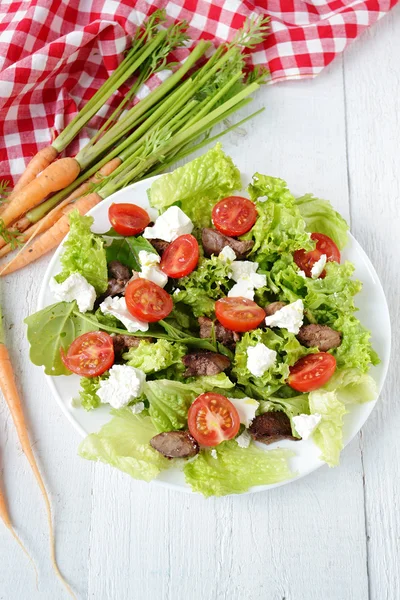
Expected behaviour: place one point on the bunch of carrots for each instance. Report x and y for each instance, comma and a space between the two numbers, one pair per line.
139, 139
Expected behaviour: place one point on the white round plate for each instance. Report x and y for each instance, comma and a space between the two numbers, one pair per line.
306, 459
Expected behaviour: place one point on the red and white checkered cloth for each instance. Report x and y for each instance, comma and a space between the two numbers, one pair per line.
55, 53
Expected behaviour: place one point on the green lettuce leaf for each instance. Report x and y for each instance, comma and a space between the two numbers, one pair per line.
169, 400
88, 397
84, 253
209, 282
356, 350
321, 217
329, 434
155, 357
352, 386
126, 250
289, 350
279, 227
236, 469
197, 186
51, 329
124, 443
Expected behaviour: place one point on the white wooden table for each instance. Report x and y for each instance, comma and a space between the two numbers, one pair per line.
334, 535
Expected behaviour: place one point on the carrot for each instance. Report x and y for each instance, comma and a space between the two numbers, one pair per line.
5, 516
38, 163
12, 397
51, 238
55, 177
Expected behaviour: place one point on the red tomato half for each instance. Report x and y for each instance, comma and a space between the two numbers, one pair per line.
91, 354
147, 301
312, 372
181, 256
239, 314
212, 419
128, 219
234, 215
323, 245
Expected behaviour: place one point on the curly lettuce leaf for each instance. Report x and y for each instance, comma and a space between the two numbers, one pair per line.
84, 253
329, 434
209, 282
88, 397
288, 349
356, 350
321, 217
51, 329
154, 357
236, 469
197, 186
124, 443
279, 227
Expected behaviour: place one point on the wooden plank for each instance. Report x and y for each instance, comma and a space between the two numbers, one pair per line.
373, 107
305, 541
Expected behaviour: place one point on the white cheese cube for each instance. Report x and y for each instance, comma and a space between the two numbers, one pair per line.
123, 385
289, 317
170, 225
116, 306
227, 255
306, 424
244, 288
318, 267
75, 287
260, 358
246, 408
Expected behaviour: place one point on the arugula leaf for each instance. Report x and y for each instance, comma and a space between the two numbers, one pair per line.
51, 329
126, 250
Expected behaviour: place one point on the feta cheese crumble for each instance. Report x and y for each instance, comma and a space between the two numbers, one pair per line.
137, 408
123, 385
244, 272
302, 274
227, 255
318, 267
306, 424
214, 453
246, 408
260, 358
243, 440
116, 306
289, 317
170, 225
75, 287
150, 270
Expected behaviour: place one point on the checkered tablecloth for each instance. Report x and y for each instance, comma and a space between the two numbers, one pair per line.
55, 53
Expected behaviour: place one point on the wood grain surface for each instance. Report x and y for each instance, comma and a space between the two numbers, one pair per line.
334, 535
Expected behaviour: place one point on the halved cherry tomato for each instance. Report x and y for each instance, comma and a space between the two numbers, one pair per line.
147, 301
181, 256
234, 215
212, 419
324, 245
128, 219
312, 372
91, 354
239, 314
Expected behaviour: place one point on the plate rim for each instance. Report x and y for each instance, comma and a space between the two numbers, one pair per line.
185, 488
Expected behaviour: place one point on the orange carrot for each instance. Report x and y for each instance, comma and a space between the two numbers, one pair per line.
5, 516
51, 238
11, 395
55, 177
38, 163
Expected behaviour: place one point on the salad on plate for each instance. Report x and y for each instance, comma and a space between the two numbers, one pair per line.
212, 325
